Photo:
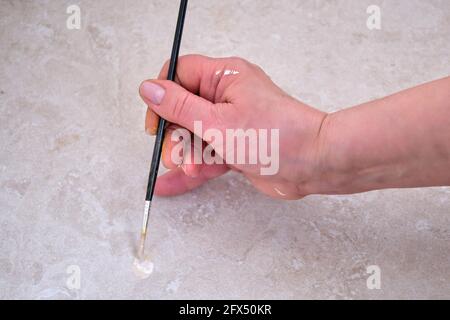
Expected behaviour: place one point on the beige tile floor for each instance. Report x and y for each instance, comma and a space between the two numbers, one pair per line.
74, 157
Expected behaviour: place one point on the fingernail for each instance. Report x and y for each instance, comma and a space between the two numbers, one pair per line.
152, 92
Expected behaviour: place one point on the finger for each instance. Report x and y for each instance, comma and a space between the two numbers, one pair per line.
176, 182
171, 157
200, 75
177, 105
151, 118
151, 122
179, 153
192, 160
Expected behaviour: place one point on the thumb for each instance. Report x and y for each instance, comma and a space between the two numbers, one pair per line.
177, 105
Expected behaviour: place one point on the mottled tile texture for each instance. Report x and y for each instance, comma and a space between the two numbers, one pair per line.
74, 157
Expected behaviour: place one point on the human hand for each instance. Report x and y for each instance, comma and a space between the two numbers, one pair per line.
231, 93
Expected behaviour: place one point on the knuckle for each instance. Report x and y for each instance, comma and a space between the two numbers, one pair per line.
218, 117
182, 105
192, 56
240, 62
237, 59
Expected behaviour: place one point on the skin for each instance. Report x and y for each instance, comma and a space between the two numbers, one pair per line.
396, 142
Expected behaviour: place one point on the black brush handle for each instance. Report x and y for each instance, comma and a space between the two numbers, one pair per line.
157, 150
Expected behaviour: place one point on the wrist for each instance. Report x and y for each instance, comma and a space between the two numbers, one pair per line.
324, 173
332, 169
351, 157
305, 147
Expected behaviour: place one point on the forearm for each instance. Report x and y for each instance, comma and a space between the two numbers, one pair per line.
399, 141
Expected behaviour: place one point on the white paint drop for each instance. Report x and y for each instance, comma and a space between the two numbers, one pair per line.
142, 268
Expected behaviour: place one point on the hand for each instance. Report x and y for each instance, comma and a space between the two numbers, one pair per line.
231, 93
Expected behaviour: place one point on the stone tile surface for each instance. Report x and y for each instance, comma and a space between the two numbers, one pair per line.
74, 157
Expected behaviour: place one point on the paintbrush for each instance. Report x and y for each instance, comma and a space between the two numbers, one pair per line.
161, 128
